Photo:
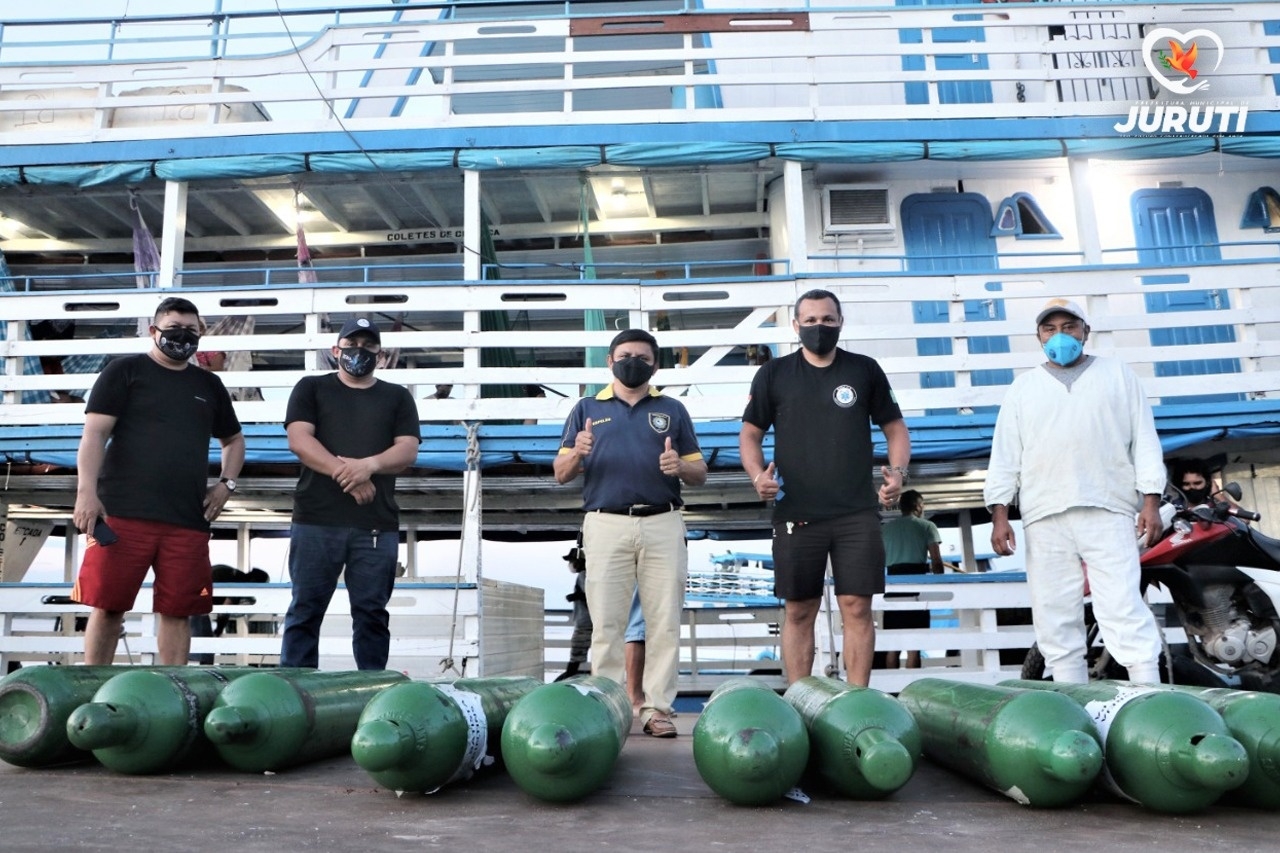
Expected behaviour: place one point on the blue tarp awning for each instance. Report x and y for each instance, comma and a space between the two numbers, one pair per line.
640, 153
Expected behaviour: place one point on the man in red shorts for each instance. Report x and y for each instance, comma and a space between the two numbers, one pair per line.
150, 485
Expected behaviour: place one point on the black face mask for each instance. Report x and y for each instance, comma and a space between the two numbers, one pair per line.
632, 372
819, 339
357, 362
178, 344
1197, 496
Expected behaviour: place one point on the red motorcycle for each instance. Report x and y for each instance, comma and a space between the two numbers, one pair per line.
1224, 581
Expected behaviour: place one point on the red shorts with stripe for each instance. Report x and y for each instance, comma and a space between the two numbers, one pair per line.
110, 576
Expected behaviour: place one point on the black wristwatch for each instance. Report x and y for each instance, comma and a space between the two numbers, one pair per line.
229, 483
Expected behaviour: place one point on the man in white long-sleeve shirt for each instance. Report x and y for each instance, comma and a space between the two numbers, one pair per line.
1076, 446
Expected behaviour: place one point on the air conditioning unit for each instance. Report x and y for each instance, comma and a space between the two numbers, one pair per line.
857, 209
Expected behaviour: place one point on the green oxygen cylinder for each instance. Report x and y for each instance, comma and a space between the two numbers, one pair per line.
36, 701
749, 745
1164, 750
1032, 747
270, 720
147, 720
1254, 720
863, 743
420, 736
560, 742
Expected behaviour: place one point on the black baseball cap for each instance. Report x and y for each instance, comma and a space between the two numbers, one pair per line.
359, 325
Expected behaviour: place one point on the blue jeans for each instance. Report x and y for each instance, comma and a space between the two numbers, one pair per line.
317, 556
635, 621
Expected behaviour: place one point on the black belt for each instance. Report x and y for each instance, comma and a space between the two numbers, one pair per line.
639, 510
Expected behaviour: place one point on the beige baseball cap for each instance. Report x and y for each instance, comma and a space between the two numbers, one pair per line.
1064, 306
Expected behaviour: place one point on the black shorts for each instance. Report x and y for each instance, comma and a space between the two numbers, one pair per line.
853, 544
906, 618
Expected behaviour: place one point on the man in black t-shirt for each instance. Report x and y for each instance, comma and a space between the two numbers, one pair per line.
149, 486
821, 402
353, 433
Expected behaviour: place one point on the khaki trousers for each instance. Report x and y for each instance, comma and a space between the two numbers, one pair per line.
625, 553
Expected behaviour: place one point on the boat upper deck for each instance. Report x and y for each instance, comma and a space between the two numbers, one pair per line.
524, 76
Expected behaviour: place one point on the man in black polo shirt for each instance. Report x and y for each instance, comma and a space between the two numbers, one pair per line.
634, 447
821, 401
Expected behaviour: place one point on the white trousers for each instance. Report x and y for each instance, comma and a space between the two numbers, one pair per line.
1058, 549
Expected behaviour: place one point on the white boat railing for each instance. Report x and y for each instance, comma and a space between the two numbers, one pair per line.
503, 630
711, 323
255, 74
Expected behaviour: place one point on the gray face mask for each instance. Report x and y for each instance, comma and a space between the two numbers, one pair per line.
819, 339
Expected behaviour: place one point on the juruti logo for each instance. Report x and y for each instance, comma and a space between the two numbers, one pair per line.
1181, 63
1167, 50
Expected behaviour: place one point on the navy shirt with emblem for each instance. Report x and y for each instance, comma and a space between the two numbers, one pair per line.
622, 468
821, 417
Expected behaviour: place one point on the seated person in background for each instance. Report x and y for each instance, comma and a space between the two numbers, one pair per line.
215, 361
1198, 483
233, 362
57, 330
533, 391
442, 392
1194, 479
908, 542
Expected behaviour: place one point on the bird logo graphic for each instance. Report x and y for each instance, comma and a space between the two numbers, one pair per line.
1171, 56
1179, 59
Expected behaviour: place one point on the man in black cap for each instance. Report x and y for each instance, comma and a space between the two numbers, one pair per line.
353, 434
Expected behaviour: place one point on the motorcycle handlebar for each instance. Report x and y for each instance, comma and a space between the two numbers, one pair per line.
1246, 514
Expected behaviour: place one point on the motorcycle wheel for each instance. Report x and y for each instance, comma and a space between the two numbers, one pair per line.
1101, 665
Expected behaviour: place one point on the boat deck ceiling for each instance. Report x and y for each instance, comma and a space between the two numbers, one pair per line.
667, 214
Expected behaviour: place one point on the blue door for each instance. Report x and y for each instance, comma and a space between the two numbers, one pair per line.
946, 232
966, 92
1176, 226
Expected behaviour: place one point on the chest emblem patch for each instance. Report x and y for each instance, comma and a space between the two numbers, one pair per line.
660, 422
844, 396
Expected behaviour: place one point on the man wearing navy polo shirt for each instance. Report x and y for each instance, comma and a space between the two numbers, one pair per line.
634, 448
